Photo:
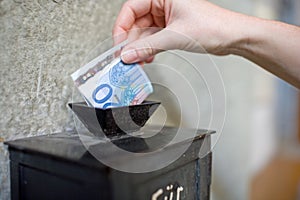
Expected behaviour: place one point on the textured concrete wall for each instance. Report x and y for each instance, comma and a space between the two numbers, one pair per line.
42, 43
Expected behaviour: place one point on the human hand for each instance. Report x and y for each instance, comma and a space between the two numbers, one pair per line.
193, 25
200, 26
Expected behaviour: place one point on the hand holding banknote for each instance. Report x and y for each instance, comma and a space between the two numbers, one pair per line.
107, 82
202, 27
194, 25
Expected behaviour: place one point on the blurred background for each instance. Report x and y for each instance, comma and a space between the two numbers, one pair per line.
257, 151
258, 156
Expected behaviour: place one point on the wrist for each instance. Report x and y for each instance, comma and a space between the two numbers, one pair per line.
238, 35
246, 36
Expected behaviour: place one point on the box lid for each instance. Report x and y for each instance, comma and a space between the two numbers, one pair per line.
73, 147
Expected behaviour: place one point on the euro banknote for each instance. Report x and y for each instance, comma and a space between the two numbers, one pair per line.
107, 82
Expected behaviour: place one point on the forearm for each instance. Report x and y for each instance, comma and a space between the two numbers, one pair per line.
275, 46
272, 45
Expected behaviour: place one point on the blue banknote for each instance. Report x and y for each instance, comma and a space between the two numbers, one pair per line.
108, 82
120, 85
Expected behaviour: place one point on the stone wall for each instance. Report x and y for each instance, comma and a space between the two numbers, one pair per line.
42, 43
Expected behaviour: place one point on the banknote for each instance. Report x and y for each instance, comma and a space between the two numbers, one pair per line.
107, 82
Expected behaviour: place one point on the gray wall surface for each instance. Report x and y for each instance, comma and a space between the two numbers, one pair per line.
42, 43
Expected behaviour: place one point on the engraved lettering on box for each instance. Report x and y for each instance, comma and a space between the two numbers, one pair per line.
169, 192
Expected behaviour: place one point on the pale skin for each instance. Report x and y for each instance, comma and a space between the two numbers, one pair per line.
189, 24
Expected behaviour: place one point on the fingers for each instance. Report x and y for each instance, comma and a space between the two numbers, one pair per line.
130, 12
150, 59
144, 49
138, 30
145, 21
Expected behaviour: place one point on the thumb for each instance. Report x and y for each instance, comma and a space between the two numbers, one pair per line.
143, 49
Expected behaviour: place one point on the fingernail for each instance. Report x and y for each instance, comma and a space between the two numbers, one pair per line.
129, 56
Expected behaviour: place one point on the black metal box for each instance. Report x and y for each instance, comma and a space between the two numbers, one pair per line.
59, 166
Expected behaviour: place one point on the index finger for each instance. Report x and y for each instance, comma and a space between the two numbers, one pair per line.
130, 12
